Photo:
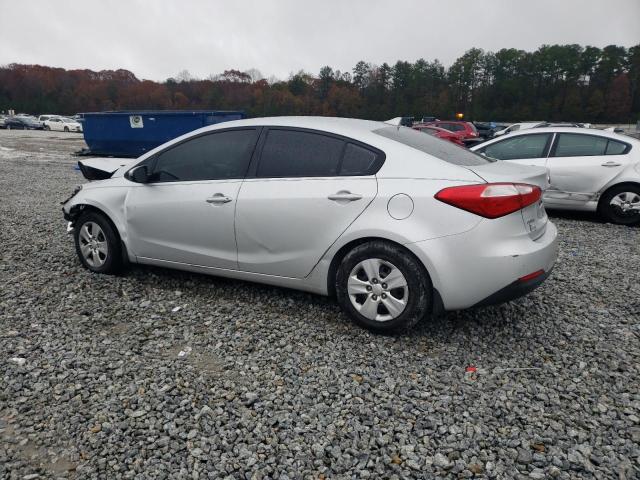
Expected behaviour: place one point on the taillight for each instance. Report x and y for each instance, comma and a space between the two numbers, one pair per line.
491, 200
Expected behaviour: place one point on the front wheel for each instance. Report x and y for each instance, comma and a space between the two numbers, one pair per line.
66, 129
621, 205
97, 244
383, 287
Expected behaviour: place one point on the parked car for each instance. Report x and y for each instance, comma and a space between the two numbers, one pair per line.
485, 130
2, 119
516, 127
44, 118
465, 131
396, 223
62, 124
22, 122
590, 169
440, 133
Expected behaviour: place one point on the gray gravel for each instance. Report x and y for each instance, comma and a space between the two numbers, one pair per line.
103, 377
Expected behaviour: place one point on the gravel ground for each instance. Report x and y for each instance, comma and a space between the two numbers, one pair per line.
162, 374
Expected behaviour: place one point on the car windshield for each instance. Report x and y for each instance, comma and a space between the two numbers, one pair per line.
443, 150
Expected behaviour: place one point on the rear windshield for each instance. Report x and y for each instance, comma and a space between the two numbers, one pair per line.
442, 149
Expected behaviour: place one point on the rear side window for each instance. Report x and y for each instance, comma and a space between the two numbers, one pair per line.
520, 147
358, 161
452, 127
576, 145
290, 153
446, 151
215, 156
616, 148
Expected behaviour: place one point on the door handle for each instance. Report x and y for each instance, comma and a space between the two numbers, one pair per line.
345, 195
611, 164
218, 199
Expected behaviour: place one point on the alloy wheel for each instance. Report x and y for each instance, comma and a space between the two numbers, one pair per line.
93, 244
626, 203
378, 290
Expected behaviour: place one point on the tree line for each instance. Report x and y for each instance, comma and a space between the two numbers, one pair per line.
555, 82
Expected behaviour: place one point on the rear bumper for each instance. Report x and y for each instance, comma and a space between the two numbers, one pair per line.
482, 266
515, 290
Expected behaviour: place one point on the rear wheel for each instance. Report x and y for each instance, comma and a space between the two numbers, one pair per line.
97, 243
621, 205
382, 287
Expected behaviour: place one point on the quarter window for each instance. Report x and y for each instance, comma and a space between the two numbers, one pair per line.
520, 147
616, 148
576, 145
289, 153
213, 156
358, 161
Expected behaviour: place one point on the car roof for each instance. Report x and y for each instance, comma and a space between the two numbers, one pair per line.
588, 131
338, 125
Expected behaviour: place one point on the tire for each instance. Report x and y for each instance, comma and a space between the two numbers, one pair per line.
66, 129
614, 202
358, 295
47, 128
95, 226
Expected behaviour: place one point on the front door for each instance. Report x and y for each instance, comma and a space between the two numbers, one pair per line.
306, 190
528, 149
185, 214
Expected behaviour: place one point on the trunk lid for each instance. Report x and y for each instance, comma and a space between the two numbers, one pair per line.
534, 216
103, 168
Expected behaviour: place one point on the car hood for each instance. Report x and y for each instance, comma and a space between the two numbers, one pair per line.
500, 171
103, 168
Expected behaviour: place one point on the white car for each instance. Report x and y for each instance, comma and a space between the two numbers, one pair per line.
43, 118
590, 169
62, 124
396, 223
516, 127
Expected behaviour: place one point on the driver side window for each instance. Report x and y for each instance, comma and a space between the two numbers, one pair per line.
213, 156
520, 147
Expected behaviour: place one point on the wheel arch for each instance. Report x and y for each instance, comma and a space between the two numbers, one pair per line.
80, 208
615, 185
437, 304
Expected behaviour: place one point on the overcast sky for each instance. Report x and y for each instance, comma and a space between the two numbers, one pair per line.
156, 39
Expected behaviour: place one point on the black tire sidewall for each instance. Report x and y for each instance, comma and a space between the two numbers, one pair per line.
418, 282
610, 214
113, 262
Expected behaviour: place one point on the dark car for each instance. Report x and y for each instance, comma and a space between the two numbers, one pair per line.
22, 123
485, 130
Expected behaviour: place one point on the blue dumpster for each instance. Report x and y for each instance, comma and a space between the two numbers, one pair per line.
132, 133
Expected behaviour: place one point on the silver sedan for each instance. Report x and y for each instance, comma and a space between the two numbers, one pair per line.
398, 225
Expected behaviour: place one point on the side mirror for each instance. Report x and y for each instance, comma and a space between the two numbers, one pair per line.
139, 174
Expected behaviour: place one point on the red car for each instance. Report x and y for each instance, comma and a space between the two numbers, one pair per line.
464, 130
440, 133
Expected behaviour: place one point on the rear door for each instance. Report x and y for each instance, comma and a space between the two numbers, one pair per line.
303, 191
582, 164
